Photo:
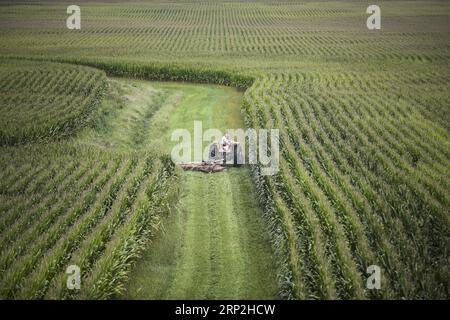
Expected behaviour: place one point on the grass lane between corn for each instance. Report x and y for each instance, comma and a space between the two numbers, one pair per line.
216, 245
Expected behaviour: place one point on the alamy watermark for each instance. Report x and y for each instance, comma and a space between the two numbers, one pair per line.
250, 146
374, 20
74, 277
374, 279
73, 22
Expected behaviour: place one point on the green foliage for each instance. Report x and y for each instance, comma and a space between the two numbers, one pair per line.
45, 100
364, 127
86, 201
349, 186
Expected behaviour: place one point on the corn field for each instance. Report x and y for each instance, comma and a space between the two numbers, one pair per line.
62, 204
38, 101
351, 191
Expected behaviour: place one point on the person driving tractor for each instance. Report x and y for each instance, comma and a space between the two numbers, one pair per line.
226, 143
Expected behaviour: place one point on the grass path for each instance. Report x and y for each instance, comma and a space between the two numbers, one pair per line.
213, 248
216, 246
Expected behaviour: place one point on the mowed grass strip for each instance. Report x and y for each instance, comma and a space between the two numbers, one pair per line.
215, 248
